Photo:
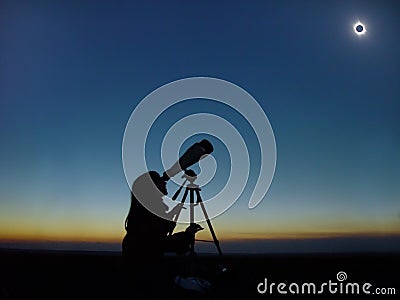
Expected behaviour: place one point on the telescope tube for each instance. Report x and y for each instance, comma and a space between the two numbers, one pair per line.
192, 155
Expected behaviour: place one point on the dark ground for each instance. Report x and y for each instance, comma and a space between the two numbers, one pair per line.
99, 275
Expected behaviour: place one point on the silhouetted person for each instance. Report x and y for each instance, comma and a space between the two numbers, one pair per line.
146, 232
146, 236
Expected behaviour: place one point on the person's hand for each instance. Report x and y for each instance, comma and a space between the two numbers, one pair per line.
176, 210
172, 226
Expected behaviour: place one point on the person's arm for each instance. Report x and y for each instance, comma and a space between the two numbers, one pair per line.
170, 225
175, 211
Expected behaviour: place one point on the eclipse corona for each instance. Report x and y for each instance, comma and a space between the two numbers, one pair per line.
359, 28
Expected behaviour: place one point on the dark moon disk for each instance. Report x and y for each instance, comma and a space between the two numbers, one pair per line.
359, 28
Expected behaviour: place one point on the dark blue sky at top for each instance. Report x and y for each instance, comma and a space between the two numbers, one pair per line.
71, 73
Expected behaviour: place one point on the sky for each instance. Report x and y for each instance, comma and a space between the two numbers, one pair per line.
71, 74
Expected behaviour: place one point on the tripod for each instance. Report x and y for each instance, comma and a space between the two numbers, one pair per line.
193, 189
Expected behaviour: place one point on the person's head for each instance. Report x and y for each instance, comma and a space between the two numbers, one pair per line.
148, 190
159, 182
148, 186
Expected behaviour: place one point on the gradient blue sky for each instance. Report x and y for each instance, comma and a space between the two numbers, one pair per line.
71, 73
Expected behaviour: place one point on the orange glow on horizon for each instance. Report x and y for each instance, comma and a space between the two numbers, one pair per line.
111, 230
309, 235
221, 237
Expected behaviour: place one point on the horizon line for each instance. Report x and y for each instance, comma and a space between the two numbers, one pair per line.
272, 237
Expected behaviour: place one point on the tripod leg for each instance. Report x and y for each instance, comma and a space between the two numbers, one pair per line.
178, 191
192, 218
181, 205
191, 206
192, 253
216, 242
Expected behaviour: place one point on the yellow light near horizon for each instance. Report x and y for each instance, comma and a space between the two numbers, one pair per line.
100, 229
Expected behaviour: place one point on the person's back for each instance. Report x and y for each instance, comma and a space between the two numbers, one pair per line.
146, 232
143, 244
147, 227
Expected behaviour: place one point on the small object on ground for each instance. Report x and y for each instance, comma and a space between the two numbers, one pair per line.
193, 283
222, 268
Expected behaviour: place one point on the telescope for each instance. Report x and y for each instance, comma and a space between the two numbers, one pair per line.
192, 155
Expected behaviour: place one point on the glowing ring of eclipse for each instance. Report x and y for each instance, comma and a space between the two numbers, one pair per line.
363, 30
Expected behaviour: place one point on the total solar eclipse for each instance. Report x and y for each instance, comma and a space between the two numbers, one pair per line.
359, 28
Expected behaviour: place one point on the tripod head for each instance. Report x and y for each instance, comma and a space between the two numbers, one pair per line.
190, 176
